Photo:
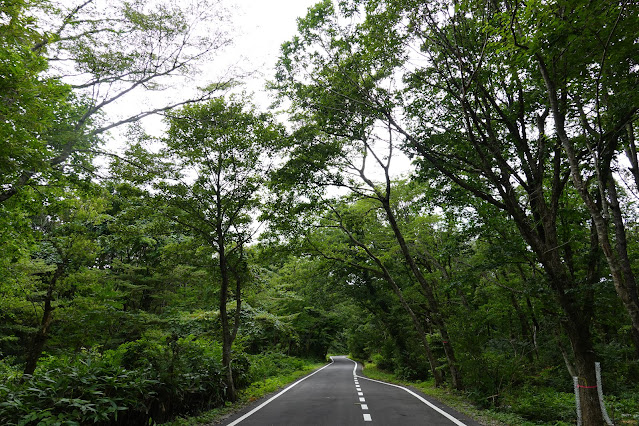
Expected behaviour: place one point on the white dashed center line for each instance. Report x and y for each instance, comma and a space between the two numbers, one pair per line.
358, 388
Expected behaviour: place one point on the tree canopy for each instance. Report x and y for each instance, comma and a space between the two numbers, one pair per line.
226, 251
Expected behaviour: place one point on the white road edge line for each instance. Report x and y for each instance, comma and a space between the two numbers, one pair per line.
265, 403
434, 407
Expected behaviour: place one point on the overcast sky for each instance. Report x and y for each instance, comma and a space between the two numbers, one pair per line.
266, 24
262, 26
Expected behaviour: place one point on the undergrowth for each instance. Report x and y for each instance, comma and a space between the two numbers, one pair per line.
528, 406
268, 373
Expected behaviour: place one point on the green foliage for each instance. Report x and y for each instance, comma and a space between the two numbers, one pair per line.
271, 364
363, 340
623, 408
498, 107
32, 105
156, 377
316, 330
542, 404
125, 285
86, 389
188, 370
63, 64
263, 331
273, 371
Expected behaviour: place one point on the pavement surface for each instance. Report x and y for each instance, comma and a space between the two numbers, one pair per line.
338, 395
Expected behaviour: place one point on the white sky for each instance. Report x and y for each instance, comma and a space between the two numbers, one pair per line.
261, 26
264, 25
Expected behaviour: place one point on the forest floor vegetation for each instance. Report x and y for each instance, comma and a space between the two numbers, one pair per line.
273, 379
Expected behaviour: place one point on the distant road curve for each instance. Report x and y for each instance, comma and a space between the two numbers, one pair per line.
337, 395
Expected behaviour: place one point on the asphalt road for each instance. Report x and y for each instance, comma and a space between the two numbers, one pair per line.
338, 395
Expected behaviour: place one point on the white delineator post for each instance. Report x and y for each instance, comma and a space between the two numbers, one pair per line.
575, 381
600, 393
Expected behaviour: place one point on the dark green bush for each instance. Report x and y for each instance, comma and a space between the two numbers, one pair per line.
386, 360
272, 364
542, 404
491, 375
188, 371
151, 379
88, 389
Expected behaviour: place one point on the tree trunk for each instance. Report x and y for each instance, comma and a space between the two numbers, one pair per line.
432, 361
576, 322
227, 338
523, 324
631, 153
437, 375
430, 297
634, 335
40, 338
398, 292
585, 359
628, 294
615, 250
564, 353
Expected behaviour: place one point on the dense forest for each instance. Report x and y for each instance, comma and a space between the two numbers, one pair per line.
446, 190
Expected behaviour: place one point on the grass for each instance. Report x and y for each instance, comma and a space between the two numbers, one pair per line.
248, 395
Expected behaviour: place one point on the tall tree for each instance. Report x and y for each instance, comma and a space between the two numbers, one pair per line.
587, 76
355, 146
356, 223
216, 157
65, 226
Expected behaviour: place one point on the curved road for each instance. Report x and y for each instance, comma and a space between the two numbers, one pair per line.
337, 395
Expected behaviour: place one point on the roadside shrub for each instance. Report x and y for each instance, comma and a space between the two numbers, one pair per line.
188, 372
542, 404
270, 364
273, 370
241, 365
8, 370
492, 374
624, 408
379, 361
87, 390
148, 380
